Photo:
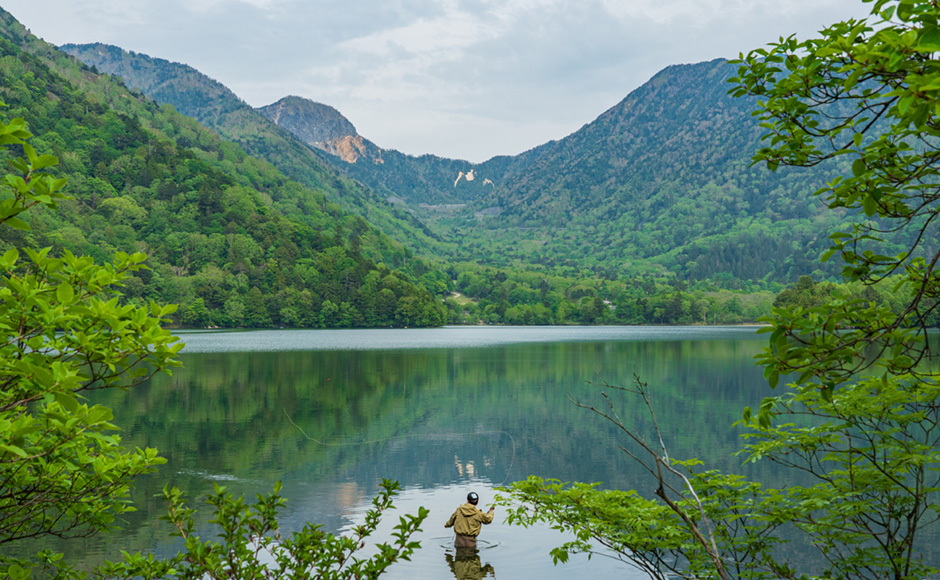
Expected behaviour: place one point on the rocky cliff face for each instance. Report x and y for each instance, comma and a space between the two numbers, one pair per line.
352, 147
319, 126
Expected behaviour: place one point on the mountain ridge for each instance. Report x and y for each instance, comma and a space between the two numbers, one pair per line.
204, 99
228, 237
661, 182
398, 177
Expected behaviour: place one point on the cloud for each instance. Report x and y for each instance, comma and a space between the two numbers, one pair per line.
501, 75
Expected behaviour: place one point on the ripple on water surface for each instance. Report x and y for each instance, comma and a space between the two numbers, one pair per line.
510, 551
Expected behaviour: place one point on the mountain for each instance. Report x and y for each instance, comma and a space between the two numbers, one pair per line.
229, 237
194, 94
662, 179
239, 241
212, 104
680, 127
660, 184
319, 126
405, 180
427, 182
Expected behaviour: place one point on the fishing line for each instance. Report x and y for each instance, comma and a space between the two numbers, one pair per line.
424, 435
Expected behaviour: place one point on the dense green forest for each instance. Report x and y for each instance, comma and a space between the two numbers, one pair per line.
230, 238
238, 241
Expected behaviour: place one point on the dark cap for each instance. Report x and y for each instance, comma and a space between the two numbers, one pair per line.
473, 498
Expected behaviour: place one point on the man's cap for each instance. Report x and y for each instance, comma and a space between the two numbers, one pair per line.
473, 498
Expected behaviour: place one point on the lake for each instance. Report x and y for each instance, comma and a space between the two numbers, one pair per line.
443, 411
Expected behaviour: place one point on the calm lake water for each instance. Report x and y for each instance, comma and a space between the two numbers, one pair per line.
443, 411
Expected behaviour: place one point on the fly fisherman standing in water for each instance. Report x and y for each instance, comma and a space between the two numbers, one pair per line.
466, 522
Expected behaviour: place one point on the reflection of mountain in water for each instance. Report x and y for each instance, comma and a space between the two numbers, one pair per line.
433, 416
332, 424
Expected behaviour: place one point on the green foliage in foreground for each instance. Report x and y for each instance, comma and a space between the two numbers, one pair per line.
252, 546
859, 425
63, 471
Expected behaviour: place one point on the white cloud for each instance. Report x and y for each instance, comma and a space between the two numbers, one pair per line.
503, 75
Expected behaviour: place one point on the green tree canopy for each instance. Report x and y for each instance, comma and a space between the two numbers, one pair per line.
864, 93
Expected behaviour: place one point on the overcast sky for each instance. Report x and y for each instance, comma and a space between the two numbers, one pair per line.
466, 79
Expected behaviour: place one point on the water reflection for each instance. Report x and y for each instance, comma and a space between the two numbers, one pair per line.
439, 416
465, 565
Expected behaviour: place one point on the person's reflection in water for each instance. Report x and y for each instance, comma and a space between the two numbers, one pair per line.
466, 565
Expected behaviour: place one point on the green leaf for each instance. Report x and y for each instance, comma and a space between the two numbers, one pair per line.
13, 449
65, 293
905, 10
773, 379
9, 259
859, 168
17, 223
44, 161
905, 104
68, 400
852, 79
869, 206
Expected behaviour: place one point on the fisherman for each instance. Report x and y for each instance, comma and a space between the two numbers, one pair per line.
466, 522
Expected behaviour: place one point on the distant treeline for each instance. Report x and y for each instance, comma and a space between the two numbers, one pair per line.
497, 296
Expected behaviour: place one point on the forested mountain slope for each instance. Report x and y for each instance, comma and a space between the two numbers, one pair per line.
215, 106
660, 183
405, 179
230, 238
662, 178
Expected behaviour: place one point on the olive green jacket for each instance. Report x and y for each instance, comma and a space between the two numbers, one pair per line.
467, 519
